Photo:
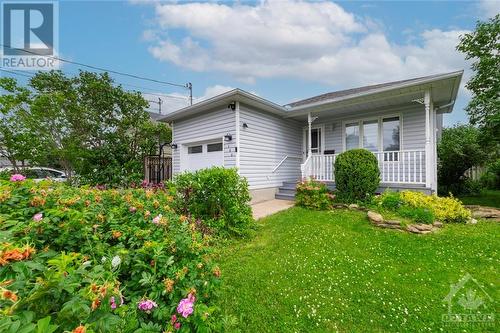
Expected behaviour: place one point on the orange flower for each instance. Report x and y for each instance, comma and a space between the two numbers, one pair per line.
6, 283
169, 285
93, 287
183, 218
80, 329
117, 234
13, 255
95, 304
7, 294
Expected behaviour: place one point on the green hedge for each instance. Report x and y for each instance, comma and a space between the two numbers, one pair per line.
357, 175
218, 196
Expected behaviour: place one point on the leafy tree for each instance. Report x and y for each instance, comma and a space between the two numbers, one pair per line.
18, 144
483, 46
458, 151
92, 127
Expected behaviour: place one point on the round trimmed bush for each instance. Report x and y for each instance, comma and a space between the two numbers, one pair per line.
357, 175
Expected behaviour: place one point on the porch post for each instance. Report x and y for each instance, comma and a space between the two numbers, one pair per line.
428, 153
309, 136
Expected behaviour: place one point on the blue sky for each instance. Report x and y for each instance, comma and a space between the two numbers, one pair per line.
282, 51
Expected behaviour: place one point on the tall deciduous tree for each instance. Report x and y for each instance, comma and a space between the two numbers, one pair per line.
17, 143
483, 47
92, 127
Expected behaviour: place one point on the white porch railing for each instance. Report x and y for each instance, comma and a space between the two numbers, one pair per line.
399, 167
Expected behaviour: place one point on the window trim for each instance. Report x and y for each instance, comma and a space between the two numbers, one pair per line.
193, 146
379, 119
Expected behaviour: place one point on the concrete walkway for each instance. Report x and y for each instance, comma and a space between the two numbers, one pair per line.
263, 209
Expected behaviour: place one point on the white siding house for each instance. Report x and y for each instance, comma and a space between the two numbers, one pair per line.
274, 146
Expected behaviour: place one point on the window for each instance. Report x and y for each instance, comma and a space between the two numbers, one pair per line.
195, 149
370, 135
211, 147
352, 136
381, 134
390, 128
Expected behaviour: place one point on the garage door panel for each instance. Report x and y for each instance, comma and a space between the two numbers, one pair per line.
204, 155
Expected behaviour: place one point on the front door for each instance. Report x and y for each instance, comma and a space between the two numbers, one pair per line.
316, 141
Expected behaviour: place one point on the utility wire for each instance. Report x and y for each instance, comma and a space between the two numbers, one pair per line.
185, 86
152, 91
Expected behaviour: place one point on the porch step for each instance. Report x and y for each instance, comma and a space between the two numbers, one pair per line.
286, 191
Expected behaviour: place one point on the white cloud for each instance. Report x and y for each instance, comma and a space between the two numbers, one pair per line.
317, 41
489, 8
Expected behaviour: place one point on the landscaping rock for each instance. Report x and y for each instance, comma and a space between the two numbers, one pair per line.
423, 227
412, 229
483, 212
473, 221
353, 206
438, 224
375, 217
393, 222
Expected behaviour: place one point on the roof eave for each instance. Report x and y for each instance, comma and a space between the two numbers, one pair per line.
304, 109
232, 95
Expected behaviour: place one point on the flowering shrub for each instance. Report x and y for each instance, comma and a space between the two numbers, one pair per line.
217, 196
424, 208
314, 195
90, 260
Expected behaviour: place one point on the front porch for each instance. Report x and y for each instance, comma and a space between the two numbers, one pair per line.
396, 167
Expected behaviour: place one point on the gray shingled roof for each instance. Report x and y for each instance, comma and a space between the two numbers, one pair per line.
353, 91
155, 115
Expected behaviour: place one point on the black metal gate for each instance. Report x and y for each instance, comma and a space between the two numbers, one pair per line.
157, 169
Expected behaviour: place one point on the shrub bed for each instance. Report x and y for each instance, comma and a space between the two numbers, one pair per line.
357, 175
83, 259
423, 208
313, 195
218, 196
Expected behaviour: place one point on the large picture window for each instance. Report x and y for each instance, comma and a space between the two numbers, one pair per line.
380, 134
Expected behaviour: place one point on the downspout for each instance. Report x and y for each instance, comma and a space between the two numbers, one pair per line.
237, 123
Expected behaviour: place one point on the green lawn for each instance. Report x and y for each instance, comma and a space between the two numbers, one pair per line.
309, 271
487, 198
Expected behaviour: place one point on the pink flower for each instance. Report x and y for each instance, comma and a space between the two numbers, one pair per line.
17, 178
37, 217
185, 307
173, 319
147, 305
132, 209
112, 302
177, 325
157, 219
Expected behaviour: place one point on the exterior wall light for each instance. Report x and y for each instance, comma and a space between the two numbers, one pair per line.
173, 145
245, 125
228, 137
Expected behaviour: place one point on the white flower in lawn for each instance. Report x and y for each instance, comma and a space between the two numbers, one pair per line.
103, 259
116, 261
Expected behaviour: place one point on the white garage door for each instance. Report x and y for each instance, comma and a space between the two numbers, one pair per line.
204, 155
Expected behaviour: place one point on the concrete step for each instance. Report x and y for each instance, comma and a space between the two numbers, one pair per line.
282, 196
287, 190
290, 184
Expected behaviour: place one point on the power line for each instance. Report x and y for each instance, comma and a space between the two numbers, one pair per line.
152, 91
185, 86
